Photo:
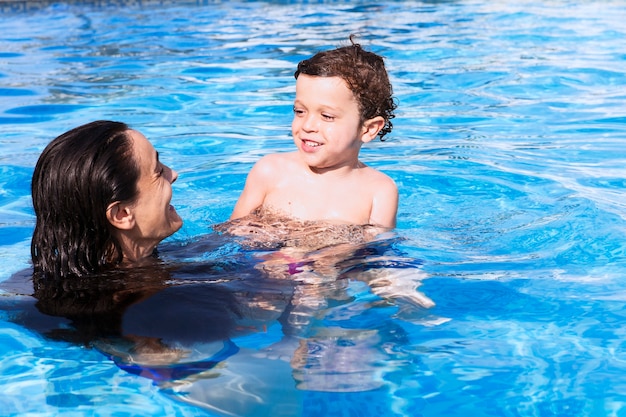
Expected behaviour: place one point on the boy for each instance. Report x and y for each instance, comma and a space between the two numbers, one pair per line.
343, 100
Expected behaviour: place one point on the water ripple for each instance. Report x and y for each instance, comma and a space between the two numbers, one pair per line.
507, 149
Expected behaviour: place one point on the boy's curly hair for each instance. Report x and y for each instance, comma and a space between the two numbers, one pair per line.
365, 74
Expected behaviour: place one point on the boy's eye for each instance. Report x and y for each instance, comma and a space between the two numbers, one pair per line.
298, 111
328, 117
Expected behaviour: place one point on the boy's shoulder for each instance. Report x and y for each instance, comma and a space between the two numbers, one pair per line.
276, 160
277, 157
379, 181
374, 175
274, 163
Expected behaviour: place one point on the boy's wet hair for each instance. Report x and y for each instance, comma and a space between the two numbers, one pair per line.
365, 74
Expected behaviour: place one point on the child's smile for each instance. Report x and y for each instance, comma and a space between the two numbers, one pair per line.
326, 116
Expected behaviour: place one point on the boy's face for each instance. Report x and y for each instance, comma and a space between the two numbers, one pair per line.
326, 125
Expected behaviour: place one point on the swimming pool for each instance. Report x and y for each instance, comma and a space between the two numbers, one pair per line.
508, 150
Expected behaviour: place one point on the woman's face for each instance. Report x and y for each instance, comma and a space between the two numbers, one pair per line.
155, 218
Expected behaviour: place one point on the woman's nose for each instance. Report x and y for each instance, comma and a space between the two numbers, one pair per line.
173, 175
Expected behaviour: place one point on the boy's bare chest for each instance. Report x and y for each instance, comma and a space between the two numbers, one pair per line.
346, 202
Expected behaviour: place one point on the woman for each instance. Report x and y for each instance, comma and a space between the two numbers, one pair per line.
102, 199
102, 203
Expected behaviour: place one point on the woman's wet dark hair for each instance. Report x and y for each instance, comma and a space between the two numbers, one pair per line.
365, 75
78, 175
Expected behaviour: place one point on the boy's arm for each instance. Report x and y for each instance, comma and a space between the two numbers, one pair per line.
253, 194
385, 205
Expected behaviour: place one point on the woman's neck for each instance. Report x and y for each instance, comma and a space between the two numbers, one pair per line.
137, 252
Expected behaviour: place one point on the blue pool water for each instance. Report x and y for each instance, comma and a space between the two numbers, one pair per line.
508, 150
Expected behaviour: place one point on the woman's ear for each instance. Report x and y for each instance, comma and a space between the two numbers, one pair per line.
371, 127
120, 216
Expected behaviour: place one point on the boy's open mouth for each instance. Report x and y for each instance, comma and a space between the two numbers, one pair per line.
311, 143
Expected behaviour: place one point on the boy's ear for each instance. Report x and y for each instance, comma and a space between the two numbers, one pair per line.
120, 216
371, 127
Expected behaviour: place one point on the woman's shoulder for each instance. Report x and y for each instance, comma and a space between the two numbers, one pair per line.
20, 283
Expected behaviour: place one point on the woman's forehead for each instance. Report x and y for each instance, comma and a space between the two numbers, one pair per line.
142, 148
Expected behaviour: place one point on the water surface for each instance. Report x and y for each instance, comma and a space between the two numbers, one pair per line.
508, 150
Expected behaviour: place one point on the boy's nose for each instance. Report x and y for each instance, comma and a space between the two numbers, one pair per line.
310, 123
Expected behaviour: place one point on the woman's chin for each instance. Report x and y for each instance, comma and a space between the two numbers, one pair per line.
175, 220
